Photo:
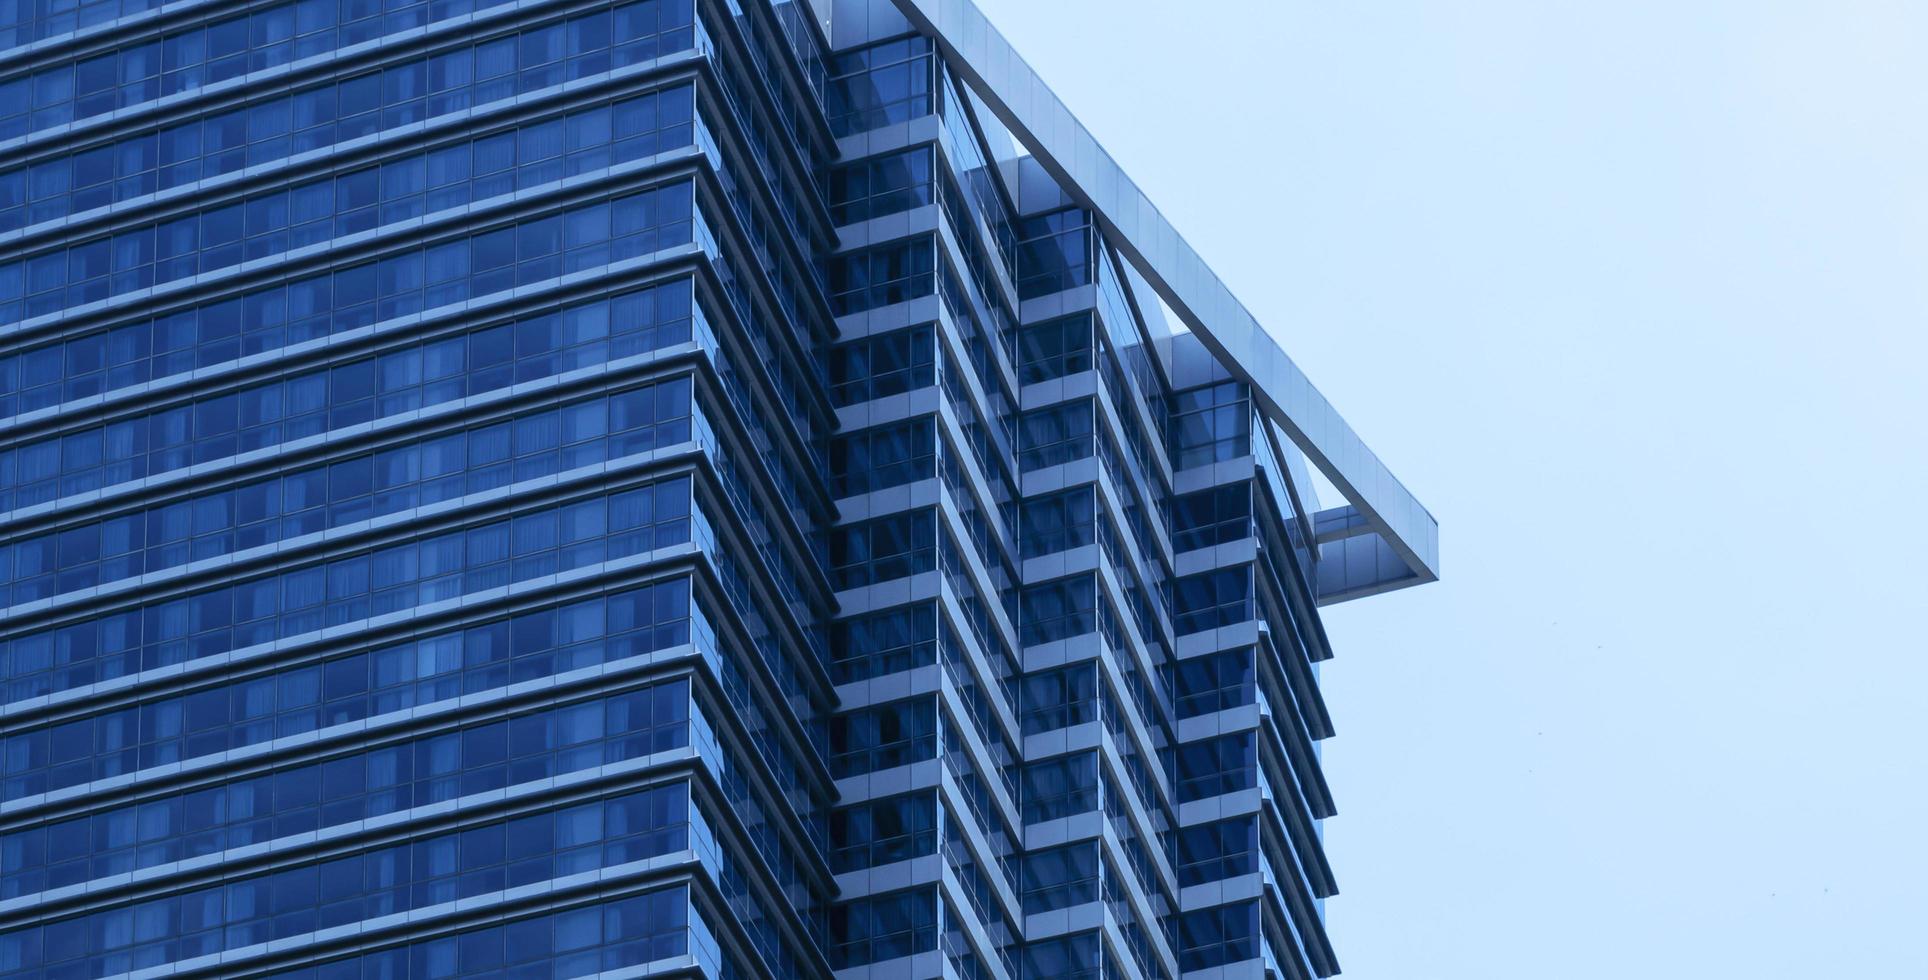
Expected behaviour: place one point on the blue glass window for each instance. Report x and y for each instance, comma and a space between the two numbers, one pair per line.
1210, 425
206, 54
1060, 787
1212, 599
309, 214
1055, 348
1216, 516
896, 828
1059, 877
1216, 682
885, 456
883, 927
617, 933
1054, 252
1213, 851
1058, 522
883, 736
888, 642
882, 365
886, 548
1218, 936
1217, 766
888, 184
882, 274
1058, 434
307, 404
373, 884
304, 797
889, 82
1084, 956
435, 667
1059, 698
396, 577
321, 497
1057, 610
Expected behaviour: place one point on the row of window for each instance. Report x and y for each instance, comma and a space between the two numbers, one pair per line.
356, 489
1059, 698
288, 312
1062, 786
295, 700
531, 250
789, 186
23, 22
980, 801
207, 54
422, 873
609, 937
1206, 425
974, 171
981, 895
218, 427
1048, 524
612, 934
897, 734
1217, 766
903, 638
1084, 872
986, 293
1059, 787
897, 828
1130, 342
373, 884
284, 410
305, 797
514, 159
425, 570
1061, 609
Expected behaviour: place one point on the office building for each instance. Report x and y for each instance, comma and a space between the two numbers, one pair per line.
552, 488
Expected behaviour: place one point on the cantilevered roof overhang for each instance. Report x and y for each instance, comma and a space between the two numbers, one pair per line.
1383, 539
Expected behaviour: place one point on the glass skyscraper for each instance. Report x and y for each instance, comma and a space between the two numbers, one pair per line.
723, 488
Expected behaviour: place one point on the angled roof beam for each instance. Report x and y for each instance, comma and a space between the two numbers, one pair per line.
1001, 78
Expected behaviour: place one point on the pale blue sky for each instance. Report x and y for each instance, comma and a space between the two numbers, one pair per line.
1633, 296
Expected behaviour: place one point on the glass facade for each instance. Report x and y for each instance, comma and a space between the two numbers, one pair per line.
553, 489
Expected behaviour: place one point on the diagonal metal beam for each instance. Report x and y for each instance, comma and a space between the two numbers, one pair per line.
979, 54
